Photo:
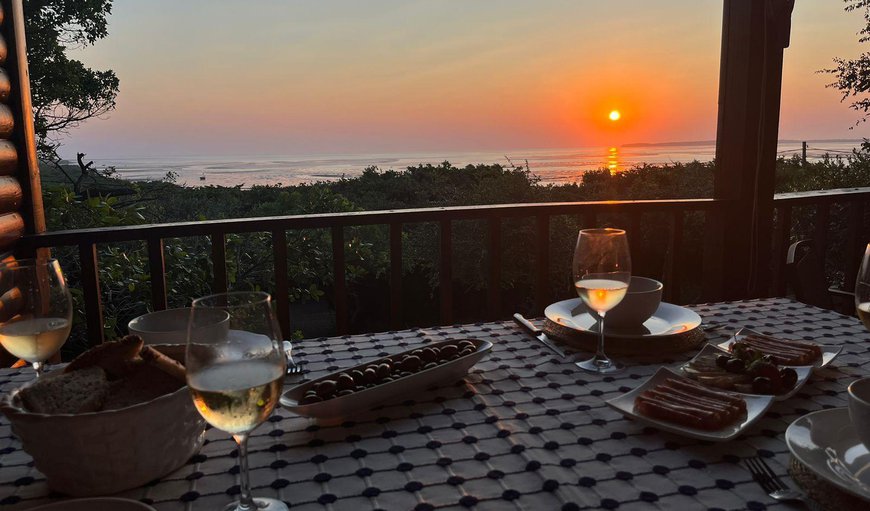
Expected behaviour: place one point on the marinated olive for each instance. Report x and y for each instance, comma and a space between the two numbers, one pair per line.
761, 385
307, 400
448, 351
325, 388
370, 375
789, 377
383, 370
411, 363
345, 392
345, 381
722, 360
357, 376
735, 365
427, 355
430, 365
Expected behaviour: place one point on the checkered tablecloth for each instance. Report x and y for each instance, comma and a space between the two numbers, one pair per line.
524, 430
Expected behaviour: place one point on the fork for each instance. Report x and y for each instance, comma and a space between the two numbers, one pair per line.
292, 366
774, 486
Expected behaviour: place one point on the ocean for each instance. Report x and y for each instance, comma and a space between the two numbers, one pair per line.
550, 165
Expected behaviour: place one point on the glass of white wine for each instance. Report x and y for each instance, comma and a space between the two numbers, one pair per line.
236, 378
602, 272
35, 309
862, 289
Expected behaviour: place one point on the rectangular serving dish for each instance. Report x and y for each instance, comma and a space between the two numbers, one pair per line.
365, 400
803, 372
829, 353
755, 408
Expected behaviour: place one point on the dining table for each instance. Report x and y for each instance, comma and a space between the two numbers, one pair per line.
524, 429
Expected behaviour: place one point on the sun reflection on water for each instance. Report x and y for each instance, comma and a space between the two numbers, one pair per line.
613, 160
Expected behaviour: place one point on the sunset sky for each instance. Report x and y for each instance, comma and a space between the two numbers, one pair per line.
303, 77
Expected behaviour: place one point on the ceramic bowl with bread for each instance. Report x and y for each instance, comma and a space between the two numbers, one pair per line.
99, 425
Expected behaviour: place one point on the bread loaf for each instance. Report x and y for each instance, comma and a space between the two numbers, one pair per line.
114, 357
79, 391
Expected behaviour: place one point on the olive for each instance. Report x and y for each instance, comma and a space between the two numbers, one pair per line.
735, 365
402, 374
383, 370
357, 376
411, 363
448, 351
430, 365
370, 375
427, 355
761, 385
345, 392
325, 388
464, 345
307, 400
387, 379
789, 377
465, 352
359, 388
345, 381
722, 360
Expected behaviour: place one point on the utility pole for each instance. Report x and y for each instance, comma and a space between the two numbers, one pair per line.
803, 154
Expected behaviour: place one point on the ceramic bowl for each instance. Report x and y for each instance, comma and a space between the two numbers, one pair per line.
170, 326
859, 409
101, 453
641, 301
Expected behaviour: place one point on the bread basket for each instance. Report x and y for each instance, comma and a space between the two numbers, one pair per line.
106, 452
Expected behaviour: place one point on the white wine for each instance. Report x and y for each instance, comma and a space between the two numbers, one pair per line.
601, 295
236, 397
34, 339
864, 313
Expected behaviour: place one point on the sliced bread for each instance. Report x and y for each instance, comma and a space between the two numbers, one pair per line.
76, 392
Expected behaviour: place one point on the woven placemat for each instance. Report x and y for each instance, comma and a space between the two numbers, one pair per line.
645, 347
826, 495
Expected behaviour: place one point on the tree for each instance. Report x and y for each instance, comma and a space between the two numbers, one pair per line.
64, 91
853, 76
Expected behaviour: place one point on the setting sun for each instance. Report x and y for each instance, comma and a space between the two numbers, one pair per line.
614, 115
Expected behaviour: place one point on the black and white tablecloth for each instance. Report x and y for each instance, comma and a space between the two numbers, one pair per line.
524, 430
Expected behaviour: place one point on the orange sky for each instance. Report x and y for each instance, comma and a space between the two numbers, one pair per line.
298, 77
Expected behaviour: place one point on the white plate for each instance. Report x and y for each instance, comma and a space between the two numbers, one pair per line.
668, 319
95, 504
803, 372
825, 441
755, 408
829, 353
367, 399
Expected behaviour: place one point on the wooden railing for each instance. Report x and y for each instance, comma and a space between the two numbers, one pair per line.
153, 235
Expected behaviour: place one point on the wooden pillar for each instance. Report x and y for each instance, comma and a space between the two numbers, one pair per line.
737, 256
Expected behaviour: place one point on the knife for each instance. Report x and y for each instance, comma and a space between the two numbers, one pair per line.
538, 334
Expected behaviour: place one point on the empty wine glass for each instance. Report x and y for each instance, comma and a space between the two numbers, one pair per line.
602, 272
236, 376
862, 289
35, 309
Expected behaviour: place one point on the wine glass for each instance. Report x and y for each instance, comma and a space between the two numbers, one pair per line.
602, 272
862, 289
35, 309
236, 377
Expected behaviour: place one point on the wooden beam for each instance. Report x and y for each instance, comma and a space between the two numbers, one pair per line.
754, 34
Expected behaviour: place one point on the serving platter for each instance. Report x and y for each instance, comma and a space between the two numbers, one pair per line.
826, 443
829, 353
364, 400
803, 372
95, 504
668, 320
755, 407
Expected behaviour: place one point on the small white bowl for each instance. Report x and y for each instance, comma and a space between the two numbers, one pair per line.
640, 303
859, 409
170, 326
100, 453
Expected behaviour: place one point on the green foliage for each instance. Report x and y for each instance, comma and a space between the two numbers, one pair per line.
64, 91
853, 75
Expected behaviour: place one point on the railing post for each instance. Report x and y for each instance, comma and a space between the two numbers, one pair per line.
445, 272
820, 237
783, 240
855, 244
93, 302
282, 284
340, 284
672, 276
395, 276
157, 269
493, 291
542, 264
219, 262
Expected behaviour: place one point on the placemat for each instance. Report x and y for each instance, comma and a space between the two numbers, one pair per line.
621, 346
826, 495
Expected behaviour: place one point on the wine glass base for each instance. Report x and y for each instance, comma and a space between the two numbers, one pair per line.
600, 366
262, 505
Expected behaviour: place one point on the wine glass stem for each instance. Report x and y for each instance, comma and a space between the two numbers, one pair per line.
38, 367
599, 354
246, 500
